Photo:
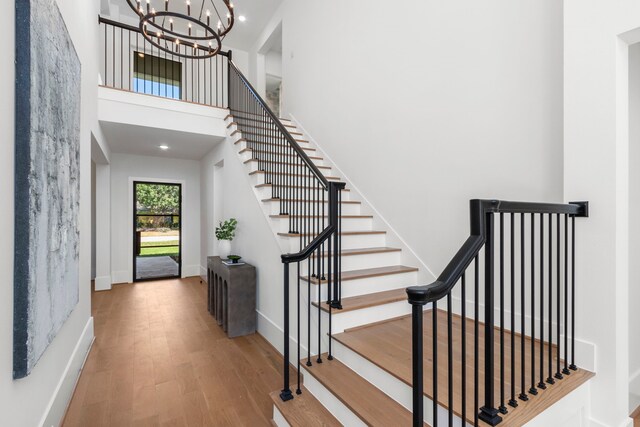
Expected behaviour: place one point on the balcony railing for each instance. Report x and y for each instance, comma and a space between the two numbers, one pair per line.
131, 63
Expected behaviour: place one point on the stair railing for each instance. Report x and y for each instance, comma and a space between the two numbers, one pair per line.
310, 201
534, 322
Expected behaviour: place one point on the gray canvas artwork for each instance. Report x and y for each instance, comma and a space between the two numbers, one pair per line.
47, 188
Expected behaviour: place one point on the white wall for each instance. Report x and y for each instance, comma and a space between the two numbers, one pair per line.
435, 111
597, 152
41, 398
273, 63
254, 239
124, 169
634, 226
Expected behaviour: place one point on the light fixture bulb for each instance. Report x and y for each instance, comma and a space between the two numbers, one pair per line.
163, 147
242, 18
208, 12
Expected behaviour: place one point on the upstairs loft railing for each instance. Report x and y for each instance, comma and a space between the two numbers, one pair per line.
129, 62
309, 200
535, 293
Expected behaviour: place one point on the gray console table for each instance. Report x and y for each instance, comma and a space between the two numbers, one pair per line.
232, 296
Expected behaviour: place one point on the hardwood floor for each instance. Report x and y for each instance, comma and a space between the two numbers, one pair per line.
388, 345
159, 358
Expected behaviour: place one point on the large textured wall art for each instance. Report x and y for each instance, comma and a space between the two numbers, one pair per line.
47, 181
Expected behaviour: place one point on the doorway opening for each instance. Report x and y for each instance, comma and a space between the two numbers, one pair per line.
157, 230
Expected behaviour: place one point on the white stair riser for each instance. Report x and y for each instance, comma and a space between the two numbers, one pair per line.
279, 419
259, 178
349, 241
329, 401
359, 262
351, 319
253, 166
369, 285
247, 155
390, 385
267, 193
348, 224
347, 208
243, 144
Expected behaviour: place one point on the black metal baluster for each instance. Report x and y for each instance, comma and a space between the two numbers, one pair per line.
450, 358
550, 379
476, 350
573, 366
533, 390
319, 360
523, 395
502, 408
541, 383
434, 339
512, 401
298, 389
558, 375
113, 52
463, 345
565, 370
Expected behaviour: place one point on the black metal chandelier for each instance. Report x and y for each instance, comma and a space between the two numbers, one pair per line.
173, 28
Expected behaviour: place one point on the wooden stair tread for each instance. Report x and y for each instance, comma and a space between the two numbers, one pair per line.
344, 233
262, 143
366, 301
346, 202
387, 344
366, 273
292, 186
363, 251
321, 216
304, 410
249, 119
245, 132
365, 400
261, 127
334, 178
280, 163
271, 152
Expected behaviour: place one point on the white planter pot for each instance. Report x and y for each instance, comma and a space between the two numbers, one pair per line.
224, 248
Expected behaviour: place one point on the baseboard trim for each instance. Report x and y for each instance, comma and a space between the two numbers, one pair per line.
190, 270
103, 283
122, 276
59, 402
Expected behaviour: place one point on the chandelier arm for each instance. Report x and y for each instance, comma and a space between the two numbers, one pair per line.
201, 10
216, 9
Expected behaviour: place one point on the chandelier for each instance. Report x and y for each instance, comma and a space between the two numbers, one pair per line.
184, 29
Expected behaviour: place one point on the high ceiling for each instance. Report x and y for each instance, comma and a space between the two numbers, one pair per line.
243, 35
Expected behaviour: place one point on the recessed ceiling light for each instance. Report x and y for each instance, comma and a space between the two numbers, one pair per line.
163, 147
242, 18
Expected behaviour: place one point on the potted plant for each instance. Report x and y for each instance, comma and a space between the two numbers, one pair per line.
225, 232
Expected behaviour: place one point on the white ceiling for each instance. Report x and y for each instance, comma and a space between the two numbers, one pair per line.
243, 35
144, 141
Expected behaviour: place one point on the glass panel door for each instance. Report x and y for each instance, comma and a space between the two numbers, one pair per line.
157, 230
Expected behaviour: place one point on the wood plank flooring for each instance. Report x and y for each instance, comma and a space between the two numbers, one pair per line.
159, 358
388, 345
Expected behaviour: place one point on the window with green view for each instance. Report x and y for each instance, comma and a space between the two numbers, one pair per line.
156, 76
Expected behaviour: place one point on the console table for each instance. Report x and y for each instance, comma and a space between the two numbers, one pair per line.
232, 296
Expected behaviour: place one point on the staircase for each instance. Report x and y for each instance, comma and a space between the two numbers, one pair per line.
360, 344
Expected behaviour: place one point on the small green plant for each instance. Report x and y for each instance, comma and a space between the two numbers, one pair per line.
227, 229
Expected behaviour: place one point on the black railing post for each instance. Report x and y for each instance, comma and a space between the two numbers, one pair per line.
489, 413
416, 360
286, 394
334, 220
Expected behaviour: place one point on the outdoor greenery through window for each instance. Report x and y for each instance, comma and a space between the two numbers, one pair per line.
157, 76
157, 229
